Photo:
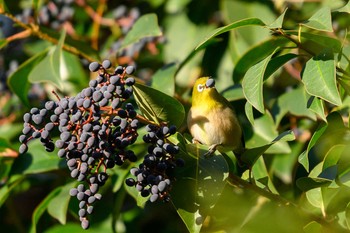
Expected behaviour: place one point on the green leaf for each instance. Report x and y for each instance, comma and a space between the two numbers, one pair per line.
79, 46
145, 26
157, 106
316, 105
36, 160
58, 205
3, 43
48, 70
324, 41
319, 77
6, 190
277, 62
164, 79
41, 208
313, 227
279, 21
249, 112
252, 84
18, 81
233, 93
345, 9
321, 20
304, 157
293, 102
237, 24
347, 214
309, 183
251, 155
199, 186
255, 55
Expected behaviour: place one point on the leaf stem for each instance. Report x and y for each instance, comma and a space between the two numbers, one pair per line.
34, 30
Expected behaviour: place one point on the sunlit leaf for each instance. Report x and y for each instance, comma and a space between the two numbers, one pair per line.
241, 23
345, 8
164, 79
48, 70
252, 84
256, 54
279, 21
316, 105
157, 106
145, 26
321, 20
319, 77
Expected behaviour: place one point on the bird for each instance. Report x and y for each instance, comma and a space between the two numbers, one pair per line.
212, 121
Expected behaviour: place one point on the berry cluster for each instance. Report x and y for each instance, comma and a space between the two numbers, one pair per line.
52, 14
96, 127
56, 12
154, 175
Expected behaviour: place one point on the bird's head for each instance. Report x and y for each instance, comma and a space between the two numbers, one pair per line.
204, 91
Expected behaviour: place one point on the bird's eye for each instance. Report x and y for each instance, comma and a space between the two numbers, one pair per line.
200, 87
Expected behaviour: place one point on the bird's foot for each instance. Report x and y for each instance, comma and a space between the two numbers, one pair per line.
211, 151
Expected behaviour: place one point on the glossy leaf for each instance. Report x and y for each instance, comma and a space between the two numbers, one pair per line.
145, 26
41, 208
219, 31
157, 106
18, 81
252, 84
319, 78
321, 20
58, 205
164, 79
324, 41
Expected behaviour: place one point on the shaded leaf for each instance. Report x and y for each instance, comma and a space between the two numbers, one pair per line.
233, 93
304, 157
324, 41
41, 208
219, 31
321, 20
313, 227
319, 77
293, 102
18, 81
277, 62
145, 26
249, 112
58, 205
6, 189
157, 106
251, 155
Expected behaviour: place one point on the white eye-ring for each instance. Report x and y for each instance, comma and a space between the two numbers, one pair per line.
200, 87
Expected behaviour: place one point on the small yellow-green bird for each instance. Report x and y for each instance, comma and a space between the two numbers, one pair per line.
211, 120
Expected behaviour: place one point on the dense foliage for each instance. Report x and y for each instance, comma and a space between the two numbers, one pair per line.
93, 101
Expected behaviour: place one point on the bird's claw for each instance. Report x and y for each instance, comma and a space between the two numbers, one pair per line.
211, 151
